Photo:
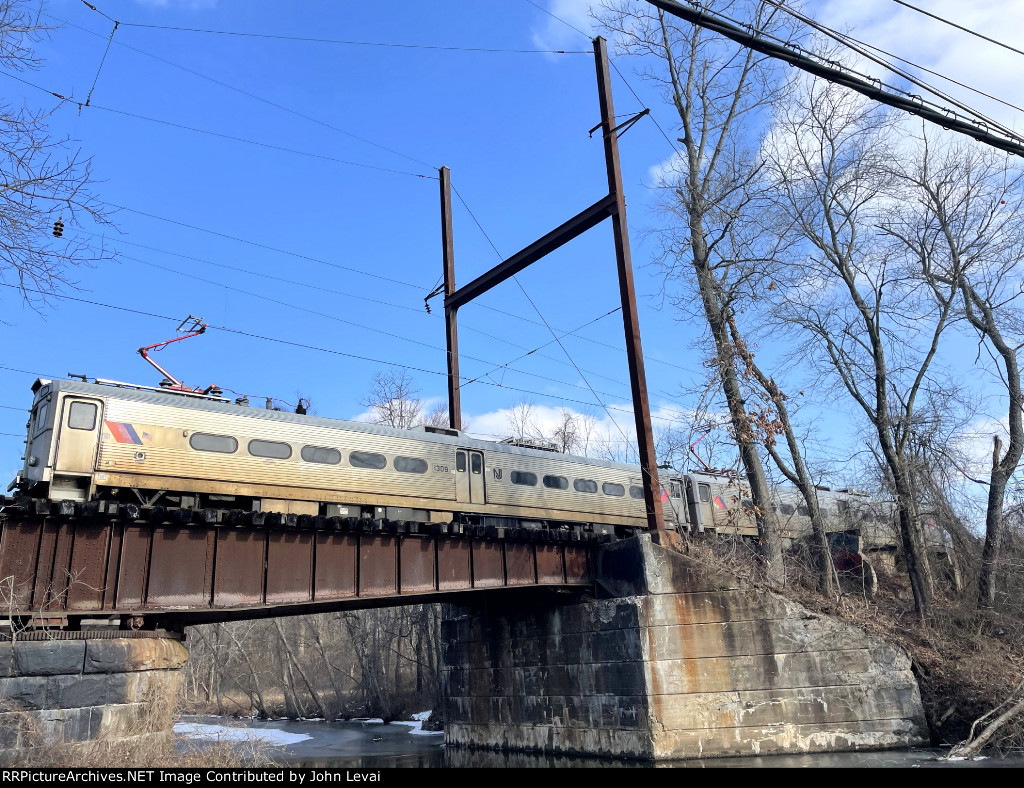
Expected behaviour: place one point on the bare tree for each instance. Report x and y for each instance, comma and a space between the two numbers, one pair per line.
718, 91
867, 319
46, 192
964, 229
393, 399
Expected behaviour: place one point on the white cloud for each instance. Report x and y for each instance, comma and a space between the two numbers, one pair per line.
550, 33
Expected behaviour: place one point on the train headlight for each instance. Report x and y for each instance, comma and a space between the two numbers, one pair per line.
33, 461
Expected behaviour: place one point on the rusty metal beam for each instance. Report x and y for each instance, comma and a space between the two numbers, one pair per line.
627, 293
561, 235
100, 567
450, 312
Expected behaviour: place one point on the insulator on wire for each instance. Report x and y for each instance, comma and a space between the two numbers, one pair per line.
58, 227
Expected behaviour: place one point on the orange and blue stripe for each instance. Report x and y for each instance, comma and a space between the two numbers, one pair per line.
123, 432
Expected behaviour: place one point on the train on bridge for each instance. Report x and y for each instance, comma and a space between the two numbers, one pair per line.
170, 455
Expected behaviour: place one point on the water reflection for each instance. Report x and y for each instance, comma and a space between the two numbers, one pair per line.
373, 745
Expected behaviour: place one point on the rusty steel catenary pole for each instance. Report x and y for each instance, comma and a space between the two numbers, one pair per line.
630, 319
451, 329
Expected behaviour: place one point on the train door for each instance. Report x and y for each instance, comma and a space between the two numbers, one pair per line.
698, 501
78, 437
469, 476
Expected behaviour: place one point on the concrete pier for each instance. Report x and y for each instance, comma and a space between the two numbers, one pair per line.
86, 687
680, 663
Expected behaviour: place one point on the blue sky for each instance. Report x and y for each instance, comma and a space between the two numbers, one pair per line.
340, 255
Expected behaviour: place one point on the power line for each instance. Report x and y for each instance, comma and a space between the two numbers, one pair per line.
267, 247
252, 95
395, 45
305, 346
958, 27
362, 326
836, 36
262, 144
912, 64
840, 74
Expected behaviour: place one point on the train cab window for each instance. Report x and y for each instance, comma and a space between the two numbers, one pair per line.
524, 477
82, 416
615, 490
460, 461
271, 449
585, 485
366, 459
41, 415
410, 465
476, 463
202, 441
556, 482
704, 491
321, 454
636, 492
787, 508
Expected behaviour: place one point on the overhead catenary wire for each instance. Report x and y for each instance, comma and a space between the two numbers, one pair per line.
307, 346
345, 42
958, 27
839, 37
254, 96
352, 323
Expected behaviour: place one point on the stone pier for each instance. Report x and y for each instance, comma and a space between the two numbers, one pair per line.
679, 663
88, 686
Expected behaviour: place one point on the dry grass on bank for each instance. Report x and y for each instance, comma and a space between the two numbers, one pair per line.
139, 749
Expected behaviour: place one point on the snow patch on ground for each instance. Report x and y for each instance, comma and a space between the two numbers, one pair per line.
416, 724
196, 730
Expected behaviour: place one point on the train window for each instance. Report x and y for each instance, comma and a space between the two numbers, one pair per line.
202, 441
747, 504
616, 490
410, 465
524, 477
704, 490
321, 454
556, 482
802, 510
272, 449
366, 459
787, 508
675, 489
82, 416
636, 492
41, 415
585, 485
476, 463
460, 461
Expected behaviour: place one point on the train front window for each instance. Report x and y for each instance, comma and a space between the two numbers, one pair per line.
41, 414
476, 463
460, 461
82, 416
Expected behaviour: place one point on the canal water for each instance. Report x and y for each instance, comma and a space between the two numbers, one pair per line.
371, 744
